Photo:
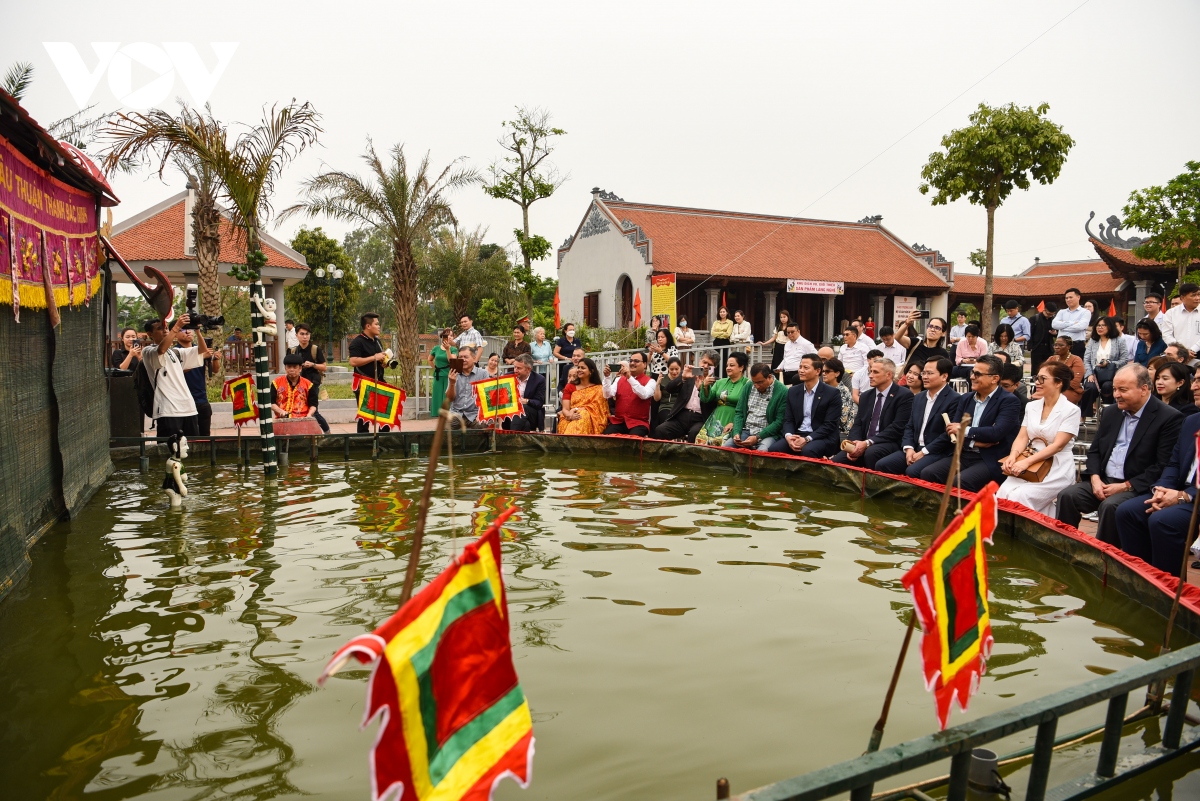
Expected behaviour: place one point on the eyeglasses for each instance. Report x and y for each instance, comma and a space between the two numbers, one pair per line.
1041, 379
934, 327
977, 374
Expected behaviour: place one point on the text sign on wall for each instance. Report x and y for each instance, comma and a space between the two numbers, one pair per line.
662, 298
904, 305
805, 287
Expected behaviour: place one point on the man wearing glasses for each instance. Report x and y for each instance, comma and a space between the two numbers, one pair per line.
988, 438
925, 424
929, 346
633, 390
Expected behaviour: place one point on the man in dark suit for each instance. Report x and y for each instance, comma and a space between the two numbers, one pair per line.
1133, 444
1153, 526
1042, 336
687, 414
925, 423
811, 414
532, 387
995, 421
883, 412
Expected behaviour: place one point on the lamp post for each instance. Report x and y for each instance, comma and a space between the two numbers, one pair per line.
329, 275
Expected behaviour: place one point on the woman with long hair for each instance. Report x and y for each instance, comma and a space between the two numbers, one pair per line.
1172, 385
1104, 355
661, 351
1003, 341
779, 338
721, 331
1149, 342
1051, 422
589, 408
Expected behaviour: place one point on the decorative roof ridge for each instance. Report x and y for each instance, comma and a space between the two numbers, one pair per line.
748, 215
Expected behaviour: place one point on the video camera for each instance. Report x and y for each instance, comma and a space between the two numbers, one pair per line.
196, 320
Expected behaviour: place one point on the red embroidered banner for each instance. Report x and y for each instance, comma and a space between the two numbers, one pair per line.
48, 244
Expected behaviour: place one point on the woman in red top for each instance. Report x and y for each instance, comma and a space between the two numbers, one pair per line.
869, 327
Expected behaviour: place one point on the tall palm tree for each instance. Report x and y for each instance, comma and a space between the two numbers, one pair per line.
246, 170
406, 208
454, 270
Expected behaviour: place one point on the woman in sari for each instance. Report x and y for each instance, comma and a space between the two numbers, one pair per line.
589, 408
726, 392
439, 360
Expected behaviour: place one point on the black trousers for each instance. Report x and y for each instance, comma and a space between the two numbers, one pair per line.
321, 421
169, 426
973, 473
1078, 346
520, 423
203, 419
870, 456
789, 377
365, 428
684, 425
621, 428
816, 449
1077, 499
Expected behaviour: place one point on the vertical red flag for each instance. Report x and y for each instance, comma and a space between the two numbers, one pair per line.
557, 318
1112, 308
723, 303
637, 308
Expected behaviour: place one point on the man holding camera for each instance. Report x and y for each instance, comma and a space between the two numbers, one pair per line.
313, 366
174, 407
367, 356
196, 383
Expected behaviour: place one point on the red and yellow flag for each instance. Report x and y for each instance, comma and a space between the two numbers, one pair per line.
454, 720
498, 398
378, 402
242, 393
950, 590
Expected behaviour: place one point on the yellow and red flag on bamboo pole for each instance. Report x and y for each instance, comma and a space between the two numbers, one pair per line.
454, 720
242, 392
950, 590
378, 402
498, 398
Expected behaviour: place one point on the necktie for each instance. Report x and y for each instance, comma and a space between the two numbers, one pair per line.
875, 412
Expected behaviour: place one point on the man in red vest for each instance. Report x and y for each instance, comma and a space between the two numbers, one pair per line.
634, 391
292, 395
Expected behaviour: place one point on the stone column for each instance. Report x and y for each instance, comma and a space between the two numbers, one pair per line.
880, 306
714, 303
275, 292
1141, 289
827, 323
939, 306
769, 324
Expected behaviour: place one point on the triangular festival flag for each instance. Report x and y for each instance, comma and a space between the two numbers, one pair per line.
242, 393
1112, 307
1042, 306
637, 308
454, 720
378, 402
950, 592
498, 398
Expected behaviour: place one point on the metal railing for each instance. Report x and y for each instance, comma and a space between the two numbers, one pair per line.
859, 776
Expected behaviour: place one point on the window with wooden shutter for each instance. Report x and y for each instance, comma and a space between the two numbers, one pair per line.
591, 309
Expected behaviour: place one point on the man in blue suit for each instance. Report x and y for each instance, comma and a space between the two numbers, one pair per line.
995, 421
532, 387
925, 424
812, 413
1153, 526
883, 412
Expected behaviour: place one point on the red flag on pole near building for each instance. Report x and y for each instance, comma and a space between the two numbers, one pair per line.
557, 318
637, 308
723, 303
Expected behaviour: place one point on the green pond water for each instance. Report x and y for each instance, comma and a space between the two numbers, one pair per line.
670, 626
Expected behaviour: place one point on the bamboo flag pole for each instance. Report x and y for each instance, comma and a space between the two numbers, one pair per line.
877, 732
414, 554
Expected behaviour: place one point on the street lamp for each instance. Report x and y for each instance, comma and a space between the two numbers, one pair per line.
330, 275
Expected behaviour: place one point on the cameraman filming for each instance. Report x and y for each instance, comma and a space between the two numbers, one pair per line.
367, 357
174, 408
196, 383
313, 367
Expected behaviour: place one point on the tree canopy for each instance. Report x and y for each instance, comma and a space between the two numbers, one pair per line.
455, 269
1170, 215
308, 301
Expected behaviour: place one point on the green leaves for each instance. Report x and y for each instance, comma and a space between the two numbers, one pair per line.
1170, 215
308, 301
533, 248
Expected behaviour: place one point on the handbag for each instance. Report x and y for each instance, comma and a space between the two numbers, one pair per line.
1037, 473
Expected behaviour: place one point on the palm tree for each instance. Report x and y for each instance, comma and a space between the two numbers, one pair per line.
404, 208
246, 170
455, 271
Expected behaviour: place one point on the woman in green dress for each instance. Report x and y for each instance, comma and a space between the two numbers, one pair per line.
439, 360
726, 392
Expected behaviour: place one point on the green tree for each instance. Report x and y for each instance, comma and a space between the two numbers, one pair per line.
455, 270
1003, 148
405, 209
308, 301
978, 259
522, 177
1170, 215
246, 170
371, 254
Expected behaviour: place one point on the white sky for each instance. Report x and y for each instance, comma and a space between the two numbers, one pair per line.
753, 106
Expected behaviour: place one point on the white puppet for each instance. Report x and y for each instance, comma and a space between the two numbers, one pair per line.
175, 482
266, 307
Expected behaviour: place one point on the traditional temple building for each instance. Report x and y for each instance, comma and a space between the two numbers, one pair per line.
834, 270
1048, 281
1116, 251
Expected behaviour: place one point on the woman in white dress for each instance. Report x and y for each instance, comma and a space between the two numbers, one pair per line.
1051, 422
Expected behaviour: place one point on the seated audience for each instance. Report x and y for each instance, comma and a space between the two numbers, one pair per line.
1153, 525
663, 397
883, 412
1062, 353
1149, 342
1173, 387
588, 413
683, 418
832, 373
912, 379
1003, 341
493, 365
811, 413
633, 391
1012, 380
464, 410
1156, 364
970, 349
1103, 356
531, 386
726, 393
1177, 353
995, 418
925, 423
1132, 445
758, 421
1051, 423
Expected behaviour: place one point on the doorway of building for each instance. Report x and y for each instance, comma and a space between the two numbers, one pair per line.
625, 302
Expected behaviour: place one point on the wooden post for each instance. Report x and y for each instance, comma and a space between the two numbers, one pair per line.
414, 555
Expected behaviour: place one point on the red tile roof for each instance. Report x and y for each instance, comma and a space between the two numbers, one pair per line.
160, 238
1039, 287
1065, 267
701, 242
1119, 257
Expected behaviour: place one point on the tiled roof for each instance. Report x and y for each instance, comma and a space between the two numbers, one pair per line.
701, 242
1040, 287
160, 238
1119, 257
1065, 267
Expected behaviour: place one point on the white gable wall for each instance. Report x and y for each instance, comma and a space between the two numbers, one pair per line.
596, 263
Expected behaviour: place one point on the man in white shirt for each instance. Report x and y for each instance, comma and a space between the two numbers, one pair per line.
174, 408
1073, 321
861, 381
1181, 324
853, 354
470, 336
290, 336
793, 351
891, 348
1153, 306
959, 330
633, 391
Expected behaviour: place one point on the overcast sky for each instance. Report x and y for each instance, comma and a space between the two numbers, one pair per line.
751, 106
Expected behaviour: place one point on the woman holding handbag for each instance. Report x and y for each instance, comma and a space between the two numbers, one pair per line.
1040, 464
